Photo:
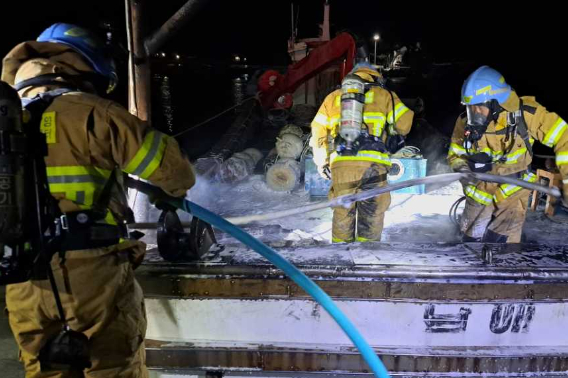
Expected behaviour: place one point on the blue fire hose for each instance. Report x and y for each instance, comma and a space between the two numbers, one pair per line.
309, 286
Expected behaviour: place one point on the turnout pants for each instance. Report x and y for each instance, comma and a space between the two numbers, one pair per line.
364, 220
101, 299
496, 222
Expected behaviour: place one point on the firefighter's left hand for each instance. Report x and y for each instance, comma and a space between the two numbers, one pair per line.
465, 181
325, 172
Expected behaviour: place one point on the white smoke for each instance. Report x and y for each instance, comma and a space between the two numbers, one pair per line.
204, 192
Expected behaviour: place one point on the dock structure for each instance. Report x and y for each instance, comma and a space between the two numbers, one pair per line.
427, 309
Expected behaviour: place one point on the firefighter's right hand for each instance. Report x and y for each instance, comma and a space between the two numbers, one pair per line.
162, 205
325, 172
565, 195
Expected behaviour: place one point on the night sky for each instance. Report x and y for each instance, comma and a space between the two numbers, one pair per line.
526, 43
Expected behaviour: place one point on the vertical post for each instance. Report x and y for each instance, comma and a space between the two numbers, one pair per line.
376, 38
325, 36
139, 70
293, 36
375, 52
131, 83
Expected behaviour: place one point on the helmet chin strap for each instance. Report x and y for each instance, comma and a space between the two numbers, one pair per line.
45, 80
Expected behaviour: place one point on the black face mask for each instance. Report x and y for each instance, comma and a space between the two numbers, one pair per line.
477, 123
473, 133
477, 119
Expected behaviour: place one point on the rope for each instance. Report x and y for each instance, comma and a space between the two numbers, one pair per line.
407, 152
213, 118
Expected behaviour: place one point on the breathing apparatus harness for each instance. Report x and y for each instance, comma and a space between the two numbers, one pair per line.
516, 124
354, 134
32, 227
84, 229
85, 82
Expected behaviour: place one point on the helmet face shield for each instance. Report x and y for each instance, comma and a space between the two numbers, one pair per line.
478, 115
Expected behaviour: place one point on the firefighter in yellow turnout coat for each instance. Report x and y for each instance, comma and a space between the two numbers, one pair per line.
495, 136
365, 165
88, 138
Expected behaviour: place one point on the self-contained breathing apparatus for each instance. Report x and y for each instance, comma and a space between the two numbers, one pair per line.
353, 90
476, 127
354, 134
32, 229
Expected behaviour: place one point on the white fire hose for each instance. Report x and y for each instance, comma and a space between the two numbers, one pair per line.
348, 199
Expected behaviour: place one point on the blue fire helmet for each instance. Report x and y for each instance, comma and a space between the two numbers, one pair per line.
483, 85
86, 43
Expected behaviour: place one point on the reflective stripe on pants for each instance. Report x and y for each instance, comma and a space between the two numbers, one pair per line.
504, 218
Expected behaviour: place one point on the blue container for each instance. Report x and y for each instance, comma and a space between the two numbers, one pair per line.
316, 185
401, 170
406, 169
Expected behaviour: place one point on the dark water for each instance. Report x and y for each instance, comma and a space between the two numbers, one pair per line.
181, 100
186, 96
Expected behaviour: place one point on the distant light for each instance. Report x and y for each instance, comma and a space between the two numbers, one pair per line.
376, 37
244, 59
177, 56
163, 54
237, 58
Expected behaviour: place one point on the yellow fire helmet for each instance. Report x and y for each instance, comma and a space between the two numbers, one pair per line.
367, 72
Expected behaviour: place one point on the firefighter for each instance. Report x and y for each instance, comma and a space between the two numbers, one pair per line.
359, 121
89, 138
495, 135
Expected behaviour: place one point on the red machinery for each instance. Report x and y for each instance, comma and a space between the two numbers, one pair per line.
276, 89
